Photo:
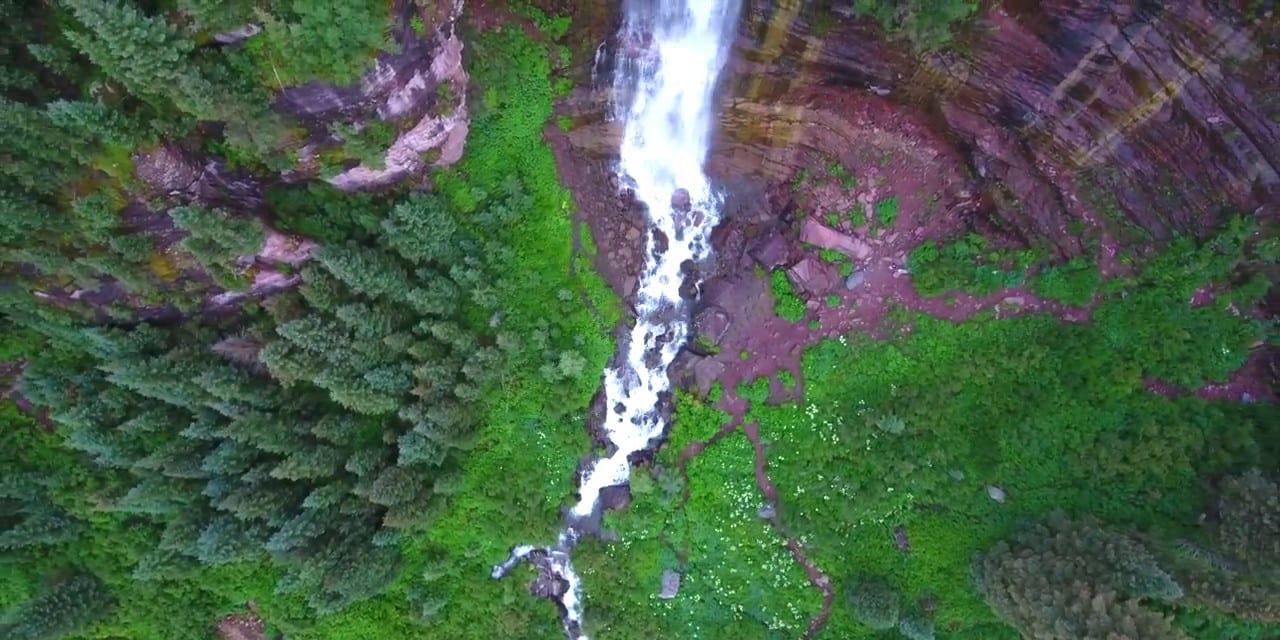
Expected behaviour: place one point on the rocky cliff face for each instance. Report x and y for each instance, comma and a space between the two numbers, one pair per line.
1140, 119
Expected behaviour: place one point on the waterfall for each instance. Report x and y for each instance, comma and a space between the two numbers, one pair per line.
669, 55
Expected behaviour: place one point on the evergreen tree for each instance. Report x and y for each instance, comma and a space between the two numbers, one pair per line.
1249, 529
422, 230
60, 611
311, 463
37, 157
1237, 572
369, 271
144, 54
1067, 579
45, 527
228, 539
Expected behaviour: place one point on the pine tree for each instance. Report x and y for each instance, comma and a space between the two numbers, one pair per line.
311, 463
227, 539
268, 502
157, 495
41, 528
49, 156
230, 458
144, 54
1067, 579
1249, 509
368, 271
60, 611
300, 530
1236, 573
422, 230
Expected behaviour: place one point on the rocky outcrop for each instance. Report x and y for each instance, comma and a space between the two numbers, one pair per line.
1144, 120
442, 131
422, 89
172, 173
1164, 105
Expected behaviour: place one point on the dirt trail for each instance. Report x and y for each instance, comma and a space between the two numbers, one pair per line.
817, 578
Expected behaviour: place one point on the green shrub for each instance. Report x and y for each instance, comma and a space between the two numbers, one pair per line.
886, 211
786, 303
1073, 282
874, 603
965, 264
310, 40
927, 24
914, 627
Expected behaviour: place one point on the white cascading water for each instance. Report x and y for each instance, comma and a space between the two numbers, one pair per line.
669, 56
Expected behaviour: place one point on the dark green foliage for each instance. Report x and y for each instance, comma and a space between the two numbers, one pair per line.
1237, 570
1073, 282
217, 239
218, 15
1249, 515
1073, 579
874, 603
913, 627
60, 611
786, 303
966, 264
927, 24
368, 143
308, 40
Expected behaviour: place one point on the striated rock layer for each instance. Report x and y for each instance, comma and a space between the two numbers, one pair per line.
1146, 119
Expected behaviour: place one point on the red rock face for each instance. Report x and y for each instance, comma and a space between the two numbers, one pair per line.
1169, 107
1143, 119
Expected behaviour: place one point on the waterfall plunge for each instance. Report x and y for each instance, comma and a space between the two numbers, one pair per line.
669, 56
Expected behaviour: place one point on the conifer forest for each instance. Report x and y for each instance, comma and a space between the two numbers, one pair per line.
371, 319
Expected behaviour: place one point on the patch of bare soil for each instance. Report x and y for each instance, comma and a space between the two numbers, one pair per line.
241, 626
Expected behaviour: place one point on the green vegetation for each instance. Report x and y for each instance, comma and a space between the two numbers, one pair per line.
738, 579
786, 303
943, 505
332, 453
927, 24
1072, 282
354, 452
911, 434
966, 264
886, 212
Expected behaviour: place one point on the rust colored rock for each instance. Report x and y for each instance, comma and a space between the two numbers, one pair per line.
771, 251
711, 323
660, 242
1063, 103
812, 276
241, 626
820, 235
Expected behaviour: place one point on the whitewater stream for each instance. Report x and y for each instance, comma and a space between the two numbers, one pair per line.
669, 54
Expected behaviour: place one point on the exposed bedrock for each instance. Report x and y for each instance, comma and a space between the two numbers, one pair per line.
1169, 109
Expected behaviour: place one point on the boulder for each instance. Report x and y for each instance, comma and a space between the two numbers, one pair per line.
771, 251
670, 585
711, 324
820, 235
855, 280
680, 201
705, 373
812, 276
